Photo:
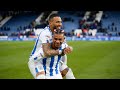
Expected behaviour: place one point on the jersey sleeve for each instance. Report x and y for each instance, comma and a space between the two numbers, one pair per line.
64, 45
45, 37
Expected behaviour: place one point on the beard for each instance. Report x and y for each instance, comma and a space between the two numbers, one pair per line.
55, 27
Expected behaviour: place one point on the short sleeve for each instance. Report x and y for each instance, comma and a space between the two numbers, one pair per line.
45, 37
64, 45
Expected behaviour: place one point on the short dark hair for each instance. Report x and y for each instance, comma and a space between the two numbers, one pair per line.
53, 15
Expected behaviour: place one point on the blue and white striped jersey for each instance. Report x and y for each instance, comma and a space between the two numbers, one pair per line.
45, 36
49, 64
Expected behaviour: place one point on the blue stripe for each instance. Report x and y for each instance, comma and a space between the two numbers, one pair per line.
34, 49
51, 65
59, 57
36, 70
60, 48
35, 58
56, 70
47, 41
35, 46
44, 64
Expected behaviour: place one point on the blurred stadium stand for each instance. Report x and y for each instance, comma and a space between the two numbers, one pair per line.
75, 23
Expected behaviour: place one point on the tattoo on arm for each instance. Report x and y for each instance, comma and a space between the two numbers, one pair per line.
48, 51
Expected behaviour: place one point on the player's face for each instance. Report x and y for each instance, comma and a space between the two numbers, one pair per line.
56, 23
58, 39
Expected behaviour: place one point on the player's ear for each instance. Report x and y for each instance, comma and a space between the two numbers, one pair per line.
64, 37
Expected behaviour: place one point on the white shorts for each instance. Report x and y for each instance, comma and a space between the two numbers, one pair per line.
34, 68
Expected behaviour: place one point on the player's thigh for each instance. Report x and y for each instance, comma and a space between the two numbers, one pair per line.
31, 66
35, 69
39, 69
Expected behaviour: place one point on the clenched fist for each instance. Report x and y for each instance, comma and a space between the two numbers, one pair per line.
68, 50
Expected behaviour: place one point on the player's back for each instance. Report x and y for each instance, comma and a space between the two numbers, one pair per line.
44, 37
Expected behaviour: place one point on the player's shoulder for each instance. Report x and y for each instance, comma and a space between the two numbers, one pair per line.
45, 31
47, 28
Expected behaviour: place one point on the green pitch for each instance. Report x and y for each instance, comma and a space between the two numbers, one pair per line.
89, 59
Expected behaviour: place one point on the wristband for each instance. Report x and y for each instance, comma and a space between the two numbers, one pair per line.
60, 52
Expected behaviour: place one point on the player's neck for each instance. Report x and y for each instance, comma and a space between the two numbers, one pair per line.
53, 46
52, 29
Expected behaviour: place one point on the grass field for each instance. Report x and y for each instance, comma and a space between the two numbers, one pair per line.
89, 59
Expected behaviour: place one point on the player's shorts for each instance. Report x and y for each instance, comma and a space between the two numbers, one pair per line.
35, 68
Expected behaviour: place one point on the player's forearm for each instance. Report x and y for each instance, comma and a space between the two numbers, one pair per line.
51, 52
48, 51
